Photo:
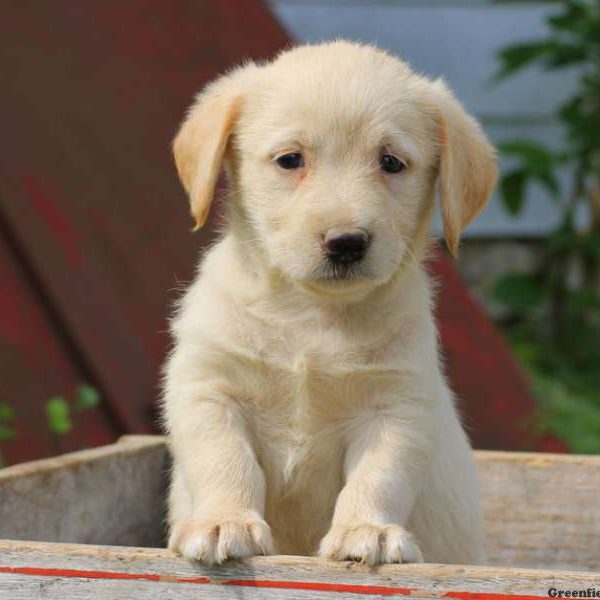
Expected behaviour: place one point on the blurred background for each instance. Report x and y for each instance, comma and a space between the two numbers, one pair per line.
95, 236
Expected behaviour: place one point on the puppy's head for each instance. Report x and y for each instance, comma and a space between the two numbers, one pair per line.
333, 154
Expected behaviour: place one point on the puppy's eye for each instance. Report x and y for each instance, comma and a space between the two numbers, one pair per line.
390, 164
292, 160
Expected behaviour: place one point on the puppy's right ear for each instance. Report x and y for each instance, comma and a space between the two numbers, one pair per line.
199, 146
468, 170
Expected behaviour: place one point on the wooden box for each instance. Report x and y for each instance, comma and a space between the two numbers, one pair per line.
89, 525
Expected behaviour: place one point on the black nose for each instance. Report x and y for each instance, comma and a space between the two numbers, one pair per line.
344, 247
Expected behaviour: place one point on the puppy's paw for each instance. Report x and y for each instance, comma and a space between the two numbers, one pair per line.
370, 544
216, 539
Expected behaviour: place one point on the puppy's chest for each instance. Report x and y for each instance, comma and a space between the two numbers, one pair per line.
310, 388
301, 422
301, 389
314, 376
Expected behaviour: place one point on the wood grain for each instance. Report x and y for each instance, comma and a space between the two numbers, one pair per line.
542, 510
35, 570
109, 495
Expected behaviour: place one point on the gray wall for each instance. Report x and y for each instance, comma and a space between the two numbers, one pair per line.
457, 40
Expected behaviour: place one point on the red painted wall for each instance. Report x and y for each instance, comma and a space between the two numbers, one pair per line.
94, 227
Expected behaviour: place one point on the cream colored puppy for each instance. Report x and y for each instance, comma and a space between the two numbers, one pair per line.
305, 404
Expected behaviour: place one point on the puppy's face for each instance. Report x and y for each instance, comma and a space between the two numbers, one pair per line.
333, 153
336, 164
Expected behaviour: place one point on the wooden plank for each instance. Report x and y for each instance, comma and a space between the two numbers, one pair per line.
32, 570
541, 509
35, 365
87, 183
109, 495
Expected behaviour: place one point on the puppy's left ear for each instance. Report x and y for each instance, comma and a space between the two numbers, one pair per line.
467, 172
199, 146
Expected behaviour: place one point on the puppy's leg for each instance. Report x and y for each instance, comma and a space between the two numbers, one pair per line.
222, 515
385, 465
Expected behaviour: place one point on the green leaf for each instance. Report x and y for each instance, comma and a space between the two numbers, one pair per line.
561, 240
7, 433
7, 413
512, 190
563, 55
590, 245
581, 116
519, 292
551, 53
518, 56
86, 396
581, 300
570, 111
570, 19
536, 162
2, 463
571, 414
59, 415
550, 182
536, 156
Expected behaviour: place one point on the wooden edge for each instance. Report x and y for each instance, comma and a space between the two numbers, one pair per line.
142, 440
533, 458
136, 443
285, 572
536, 459
126, 444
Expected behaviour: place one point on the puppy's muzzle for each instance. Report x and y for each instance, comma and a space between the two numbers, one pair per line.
346, 246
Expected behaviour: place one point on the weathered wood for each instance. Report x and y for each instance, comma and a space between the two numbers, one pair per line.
109, 495
542, 510
35, 570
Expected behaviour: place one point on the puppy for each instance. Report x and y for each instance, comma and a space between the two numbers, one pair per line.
304, 400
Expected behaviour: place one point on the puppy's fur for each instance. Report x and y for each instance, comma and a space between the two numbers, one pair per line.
306, 408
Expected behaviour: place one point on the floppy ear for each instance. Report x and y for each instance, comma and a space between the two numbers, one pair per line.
468, 171
199, 146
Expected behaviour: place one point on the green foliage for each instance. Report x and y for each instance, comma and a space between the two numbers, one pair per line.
86, 397
59, 413
568, 396
7, 415
574, 40
535, 163
7, 433
555, 310
519, 291
512, 189
550, 53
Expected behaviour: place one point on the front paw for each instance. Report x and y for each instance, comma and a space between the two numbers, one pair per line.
215, 539
370, 544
